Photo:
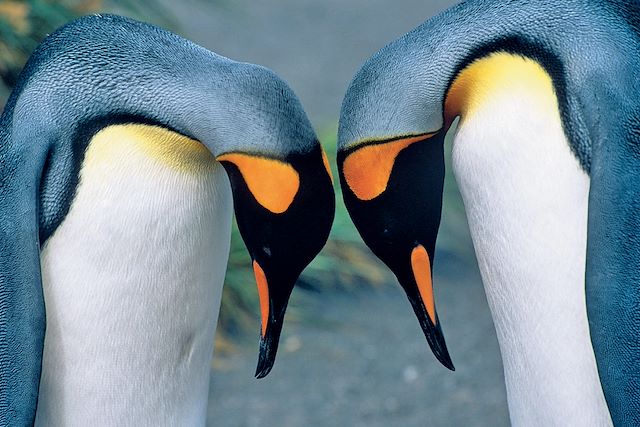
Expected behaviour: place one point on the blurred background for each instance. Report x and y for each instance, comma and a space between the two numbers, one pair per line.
352, 352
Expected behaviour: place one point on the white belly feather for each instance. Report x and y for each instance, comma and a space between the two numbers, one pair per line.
132, 282
526, 201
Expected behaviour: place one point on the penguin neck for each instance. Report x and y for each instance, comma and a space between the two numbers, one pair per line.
526, 198
413, 73
132, 280
109, 67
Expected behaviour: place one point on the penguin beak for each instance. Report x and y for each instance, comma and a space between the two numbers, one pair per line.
284, 209
272, 317
419, 290
393, 191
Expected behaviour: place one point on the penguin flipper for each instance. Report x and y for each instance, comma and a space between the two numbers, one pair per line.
613, 267
22, 311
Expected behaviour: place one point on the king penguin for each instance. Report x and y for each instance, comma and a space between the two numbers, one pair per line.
123, 149
546, 154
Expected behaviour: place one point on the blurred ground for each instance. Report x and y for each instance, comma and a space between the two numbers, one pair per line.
360, 359
353, 358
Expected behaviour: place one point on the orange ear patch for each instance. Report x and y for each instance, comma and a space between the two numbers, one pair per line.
263, 294
273, 183
367, 170
325, 160
421, 267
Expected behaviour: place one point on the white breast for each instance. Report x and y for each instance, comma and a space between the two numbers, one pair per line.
526, 200
132, 282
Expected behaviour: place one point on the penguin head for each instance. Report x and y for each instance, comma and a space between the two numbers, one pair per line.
283, 200
391, 168
284, 210
246, 116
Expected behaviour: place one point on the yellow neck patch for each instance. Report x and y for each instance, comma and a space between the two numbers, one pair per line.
368, 168
167, 147
499, 74
273, 183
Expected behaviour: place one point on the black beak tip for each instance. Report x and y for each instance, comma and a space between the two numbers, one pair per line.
445, 359
436, 341
267, 356
433, 333
269, 347
263, 368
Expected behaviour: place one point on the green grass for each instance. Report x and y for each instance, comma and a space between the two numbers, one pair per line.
25, 23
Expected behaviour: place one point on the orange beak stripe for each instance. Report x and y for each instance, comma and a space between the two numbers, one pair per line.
263, 294
421, 267
368, 169
273, 183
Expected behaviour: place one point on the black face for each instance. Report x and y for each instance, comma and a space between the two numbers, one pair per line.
405, 215
284, 244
